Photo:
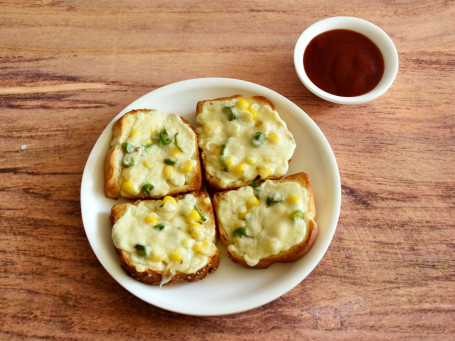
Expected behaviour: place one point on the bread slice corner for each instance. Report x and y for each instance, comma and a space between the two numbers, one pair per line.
167, 276
212, 168
293, 253
113, 168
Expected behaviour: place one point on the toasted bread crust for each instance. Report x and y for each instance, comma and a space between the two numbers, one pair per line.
252, 98
112, 173
213, 183
155, 277
113, 164
290, 255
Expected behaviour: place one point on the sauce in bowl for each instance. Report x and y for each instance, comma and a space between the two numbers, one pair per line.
343, 63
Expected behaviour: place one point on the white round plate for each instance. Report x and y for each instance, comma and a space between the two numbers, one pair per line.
232, 288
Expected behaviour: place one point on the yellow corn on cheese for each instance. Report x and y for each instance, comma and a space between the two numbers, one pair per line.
128, 187
170, 249
242, 104
272, 157
269, 226
145, 163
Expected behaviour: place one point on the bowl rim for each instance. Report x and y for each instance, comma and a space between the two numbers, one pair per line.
370, 30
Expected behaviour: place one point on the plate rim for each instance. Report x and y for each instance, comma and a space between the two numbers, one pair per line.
218, 81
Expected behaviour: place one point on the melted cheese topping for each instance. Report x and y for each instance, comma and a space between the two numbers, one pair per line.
178, 247
148, 158
269, 228
242, 159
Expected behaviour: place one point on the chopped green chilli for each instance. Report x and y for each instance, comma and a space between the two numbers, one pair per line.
241, 232
128, 162
231, 112
147, 188
222, 152
274, 198
164, 137
176, 143
255, 182
169, 162
147, 146
159, 227
200, 214
258, 139
127, 147
297, 215
140, 249
223, 149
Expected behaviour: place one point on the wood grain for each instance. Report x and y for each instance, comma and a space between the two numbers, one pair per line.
67, 68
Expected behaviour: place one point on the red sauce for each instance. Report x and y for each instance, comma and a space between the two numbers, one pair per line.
343, 63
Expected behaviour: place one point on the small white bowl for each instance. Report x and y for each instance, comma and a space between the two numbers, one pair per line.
373, 32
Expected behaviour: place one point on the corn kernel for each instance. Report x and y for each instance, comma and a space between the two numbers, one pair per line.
148, 164
168, 170
253, 112
239, 224
148, 142
202, 247
242, 214
250, 161
240, 169
252, 201
217, 151
176, 255
228, 163
170, 200
259, 124
195, 230
242, 104
136, 132
234, 129
263, 171
273, 138
187, 167
151, 219
212, 129
248, 117
175, 151
294, 199
156, 256
187, 243
128, 187
272, 245
193, 215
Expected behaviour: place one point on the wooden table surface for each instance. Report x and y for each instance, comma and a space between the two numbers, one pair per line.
68, 67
